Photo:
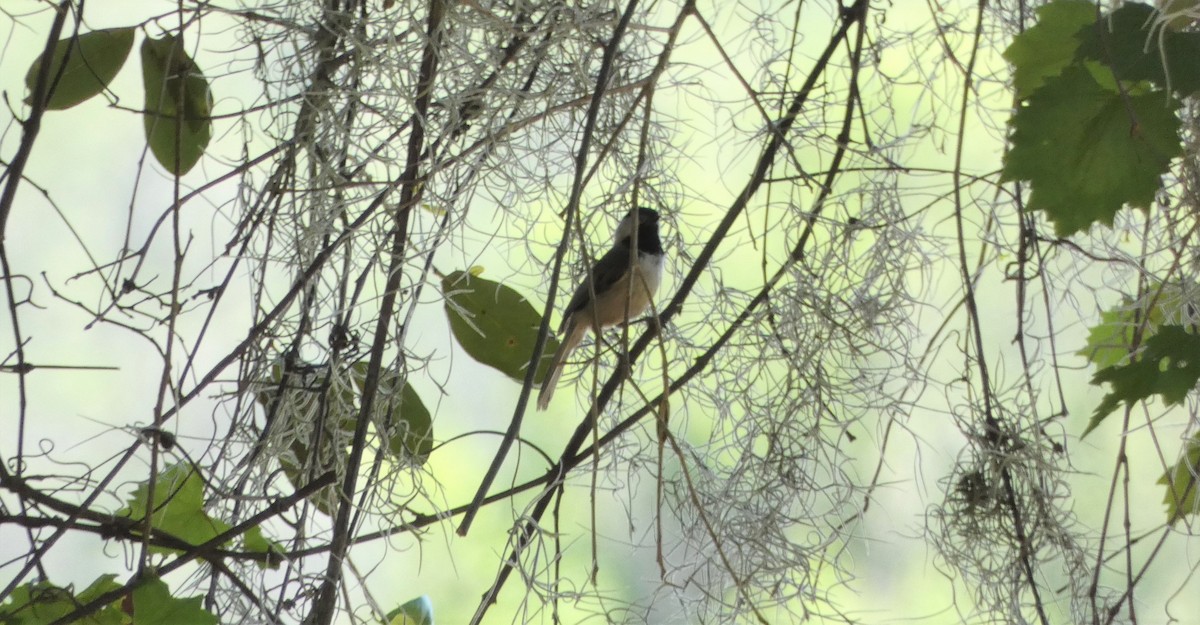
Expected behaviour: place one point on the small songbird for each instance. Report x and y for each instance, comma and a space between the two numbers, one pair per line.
623, 282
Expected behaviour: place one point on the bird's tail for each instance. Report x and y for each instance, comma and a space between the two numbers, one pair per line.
574, 335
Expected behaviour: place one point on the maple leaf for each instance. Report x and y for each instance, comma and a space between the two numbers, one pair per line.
1088, 149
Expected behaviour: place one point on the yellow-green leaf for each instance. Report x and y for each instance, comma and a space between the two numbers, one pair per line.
494, 324
92, 60
1168, 366
154, 605
1110, 342
255, 542
43, 602
178, 506
1182, 483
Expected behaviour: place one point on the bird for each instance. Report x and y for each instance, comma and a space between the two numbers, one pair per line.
623, 283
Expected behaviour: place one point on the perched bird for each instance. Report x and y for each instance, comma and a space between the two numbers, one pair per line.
623, 282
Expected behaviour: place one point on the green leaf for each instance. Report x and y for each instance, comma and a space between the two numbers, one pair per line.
418, 611
41, 602
1087, 151
109, 614
1049, 46
1110, 342
255, 542
1133, 45
178, 507
154, 605
410, 426
175, 90
401, 415
1181, 12
494, 324
1181, 482
1169, 366
94, 59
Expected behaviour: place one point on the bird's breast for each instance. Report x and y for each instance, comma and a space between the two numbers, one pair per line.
631, 295
645, 283
650, 266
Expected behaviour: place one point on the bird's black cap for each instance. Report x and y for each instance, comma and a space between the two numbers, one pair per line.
647, 214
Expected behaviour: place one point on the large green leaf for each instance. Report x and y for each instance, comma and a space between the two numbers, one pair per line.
1182, 484
1087, 150
1134, 47
1169, 366
494, 324
1048, 47
178, 104
154, 605
41, 602
178, 506
94, 59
